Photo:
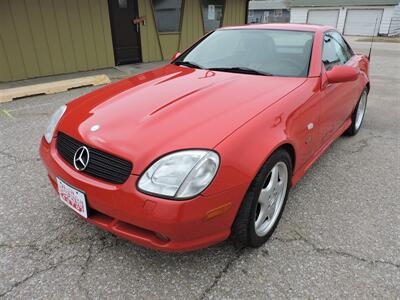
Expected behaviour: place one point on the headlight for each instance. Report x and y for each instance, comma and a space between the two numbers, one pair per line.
53, 123
180, 175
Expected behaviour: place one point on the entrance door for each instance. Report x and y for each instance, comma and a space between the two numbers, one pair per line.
125, 33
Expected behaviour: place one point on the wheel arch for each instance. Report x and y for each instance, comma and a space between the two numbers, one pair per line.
368, 86
288, 147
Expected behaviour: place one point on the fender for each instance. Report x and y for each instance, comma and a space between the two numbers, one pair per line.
277, 127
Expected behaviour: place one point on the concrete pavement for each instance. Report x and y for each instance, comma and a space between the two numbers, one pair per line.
339, 236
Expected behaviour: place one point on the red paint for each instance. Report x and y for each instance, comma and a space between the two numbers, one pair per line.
340, 74
242, 117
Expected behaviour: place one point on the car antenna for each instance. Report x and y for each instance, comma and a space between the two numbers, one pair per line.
372, 39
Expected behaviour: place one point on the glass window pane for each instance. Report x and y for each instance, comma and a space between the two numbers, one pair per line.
168, 15
213, 11
278, 52
123, 3
333, 52
341, 41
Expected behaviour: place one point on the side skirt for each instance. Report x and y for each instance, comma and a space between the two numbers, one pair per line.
301, 171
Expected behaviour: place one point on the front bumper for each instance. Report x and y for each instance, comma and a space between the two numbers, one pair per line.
152, 222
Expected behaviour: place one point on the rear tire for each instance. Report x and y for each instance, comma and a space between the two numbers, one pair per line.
264, 200
357, 117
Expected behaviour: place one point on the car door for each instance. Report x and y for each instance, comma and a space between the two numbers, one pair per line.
337, 98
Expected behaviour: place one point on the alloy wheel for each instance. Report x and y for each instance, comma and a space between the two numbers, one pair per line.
271, 198
362, 105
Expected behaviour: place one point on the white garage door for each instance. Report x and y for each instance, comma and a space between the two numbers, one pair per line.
323, 17
362, 21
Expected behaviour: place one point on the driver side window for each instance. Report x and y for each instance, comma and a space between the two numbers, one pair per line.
333, 53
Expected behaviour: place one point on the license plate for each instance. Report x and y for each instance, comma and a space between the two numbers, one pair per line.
72, 197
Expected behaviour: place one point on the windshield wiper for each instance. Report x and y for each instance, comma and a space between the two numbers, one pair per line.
188, 64
241, 70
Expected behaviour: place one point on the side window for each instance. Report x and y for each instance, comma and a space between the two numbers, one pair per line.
333, 52
346, 48
168, 15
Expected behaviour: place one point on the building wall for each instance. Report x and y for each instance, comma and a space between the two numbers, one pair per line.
394, 28
235, 12
161, 46
192, 24
299, 15
150, 44
48, 37
386, 18
268, 16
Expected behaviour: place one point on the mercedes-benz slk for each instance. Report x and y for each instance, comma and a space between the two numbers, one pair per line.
208, 146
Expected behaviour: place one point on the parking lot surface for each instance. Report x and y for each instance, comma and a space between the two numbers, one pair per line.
339, 236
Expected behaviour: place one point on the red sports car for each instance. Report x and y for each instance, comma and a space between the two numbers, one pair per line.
209, 145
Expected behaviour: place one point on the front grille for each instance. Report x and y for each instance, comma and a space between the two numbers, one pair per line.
101, 165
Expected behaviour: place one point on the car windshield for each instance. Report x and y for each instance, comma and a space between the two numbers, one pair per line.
252, 51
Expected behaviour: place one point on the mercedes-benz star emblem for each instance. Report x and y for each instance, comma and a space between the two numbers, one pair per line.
81, 158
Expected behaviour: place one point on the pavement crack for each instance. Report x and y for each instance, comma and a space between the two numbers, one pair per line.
14, 159
331, 251
218, 277
34, 274
86, 264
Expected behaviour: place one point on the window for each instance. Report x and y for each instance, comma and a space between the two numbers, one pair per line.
346, 48
168, 15
123, 3
334, 53
265, 16
213, 11
274, 52
278, 12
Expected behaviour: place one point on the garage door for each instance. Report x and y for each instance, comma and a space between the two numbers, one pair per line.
362, 21
323, 17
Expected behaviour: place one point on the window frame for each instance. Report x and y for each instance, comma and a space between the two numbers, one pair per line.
202, 17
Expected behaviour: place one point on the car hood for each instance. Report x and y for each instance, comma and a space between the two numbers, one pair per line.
148, 115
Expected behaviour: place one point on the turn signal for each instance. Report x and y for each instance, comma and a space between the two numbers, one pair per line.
218, 211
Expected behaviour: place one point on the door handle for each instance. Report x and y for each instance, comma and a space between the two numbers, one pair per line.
139, 20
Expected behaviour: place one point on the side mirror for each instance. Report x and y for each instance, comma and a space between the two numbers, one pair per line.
342, 74
175, 56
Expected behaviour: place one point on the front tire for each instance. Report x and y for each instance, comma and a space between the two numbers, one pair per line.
264, 202
357, 117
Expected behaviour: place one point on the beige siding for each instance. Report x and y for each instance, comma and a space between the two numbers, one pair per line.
11, 45
235, 12
4, 64
169, 44
46, 37
192, 24
150, 44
